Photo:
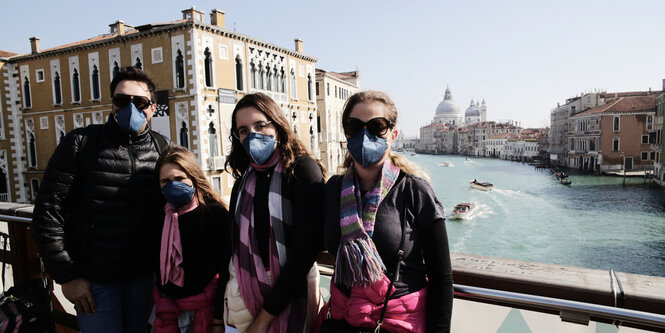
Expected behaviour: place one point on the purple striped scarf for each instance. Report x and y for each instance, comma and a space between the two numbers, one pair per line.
358, 262
250, 269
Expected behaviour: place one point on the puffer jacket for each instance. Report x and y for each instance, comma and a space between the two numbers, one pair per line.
96, 223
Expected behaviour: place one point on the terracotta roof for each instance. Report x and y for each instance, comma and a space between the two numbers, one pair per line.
6, 54
624, 104
500, 136
89, 40
626, 94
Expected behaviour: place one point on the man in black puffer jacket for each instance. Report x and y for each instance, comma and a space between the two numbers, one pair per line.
98, 204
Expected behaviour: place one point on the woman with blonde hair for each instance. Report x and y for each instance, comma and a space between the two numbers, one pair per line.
194, 246
386, 228
277, 218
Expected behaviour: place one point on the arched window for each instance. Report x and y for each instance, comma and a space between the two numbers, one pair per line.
283, 81
34, 184
269, 79
275, 79
252, 74
615, 144
184, 135
138, 63
616, 124
309, 87
294, 94
33, 151
57, 92
26, 92
212, 137
261, 77
208, 66
116, 68
239, 85
179, 70
95, 82
76, 86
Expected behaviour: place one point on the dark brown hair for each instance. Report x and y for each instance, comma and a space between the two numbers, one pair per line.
288, 144
131, 73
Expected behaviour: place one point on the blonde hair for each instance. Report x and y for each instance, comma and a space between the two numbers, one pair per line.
402, 163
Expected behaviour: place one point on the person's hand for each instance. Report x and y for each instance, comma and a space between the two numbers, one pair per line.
261, 323
77, 291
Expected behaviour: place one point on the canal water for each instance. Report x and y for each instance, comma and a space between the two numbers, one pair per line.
596, 222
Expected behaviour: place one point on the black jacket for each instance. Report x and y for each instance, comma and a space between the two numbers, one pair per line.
96, 223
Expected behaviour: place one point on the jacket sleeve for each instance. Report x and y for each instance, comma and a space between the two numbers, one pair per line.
50, 211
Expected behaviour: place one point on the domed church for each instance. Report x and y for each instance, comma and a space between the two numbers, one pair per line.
476, 112
448, 112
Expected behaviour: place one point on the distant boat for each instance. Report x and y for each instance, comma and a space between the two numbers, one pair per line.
463, 210
483, 186
447, 164
562, 177
466, 159
413, 154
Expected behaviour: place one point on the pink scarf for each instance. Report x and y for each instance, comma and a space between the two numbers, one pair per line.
170, 256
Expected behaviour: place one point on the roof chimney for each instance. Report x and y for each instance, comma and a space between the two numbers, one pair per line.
298, 45
192, 14
34, 44
217, 18
118, 27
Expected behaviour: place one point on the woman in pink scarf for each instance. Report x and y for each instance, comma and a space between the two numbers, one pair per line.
384, 223
194, 247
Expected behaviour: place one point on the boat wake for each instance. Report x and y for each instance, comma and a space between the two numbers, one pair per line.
481, 212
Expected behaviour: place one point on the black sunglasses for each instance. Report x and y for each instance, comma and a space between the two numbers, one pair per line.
122, 100
376, 126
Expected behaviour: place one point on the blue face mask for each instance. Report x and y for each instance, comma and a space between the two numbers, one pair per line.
178, 193
130, 119
259, 147
366, 148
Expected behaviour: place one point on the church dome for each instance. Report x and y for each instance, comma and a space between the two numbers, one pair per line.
472, 111
448, 107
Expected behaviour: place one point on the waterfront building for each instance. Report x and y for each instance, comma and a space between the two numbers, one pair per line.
657, 139
332, 91
200, 69
614, 136
496, 144
428, 138
11, 168
447, 112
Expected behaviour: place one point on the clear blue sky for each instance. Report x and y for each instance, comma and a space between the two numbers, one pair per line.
522, 57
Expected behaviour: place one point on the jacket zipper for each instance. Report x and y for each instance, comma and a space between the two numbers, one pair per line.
131, 156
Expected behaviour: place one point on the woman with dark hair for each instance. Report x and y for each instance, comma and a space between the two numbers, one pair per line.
386, 228
194, 247
277, 212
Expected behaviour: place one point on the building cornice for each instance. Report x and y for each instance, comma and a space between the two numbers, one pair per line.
157, 31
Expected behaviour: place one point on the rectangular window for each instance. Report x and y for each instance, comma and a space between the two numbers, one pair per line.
40, 75
649, 123
652, 155
317, 89
335, 91
615, 144
645, 156
328, 89
645, 139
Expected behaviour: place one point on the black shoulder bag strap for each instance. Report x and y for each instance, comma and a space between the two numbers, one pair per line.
160, 142
400, 258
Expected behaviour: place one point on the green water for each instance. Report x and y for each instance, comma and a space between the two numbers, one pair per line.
596, 222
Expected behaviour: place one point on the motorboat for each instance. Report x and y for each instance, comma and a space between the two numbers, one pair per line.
463, 210
412, 154
483, 186
447, 164
562, 177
